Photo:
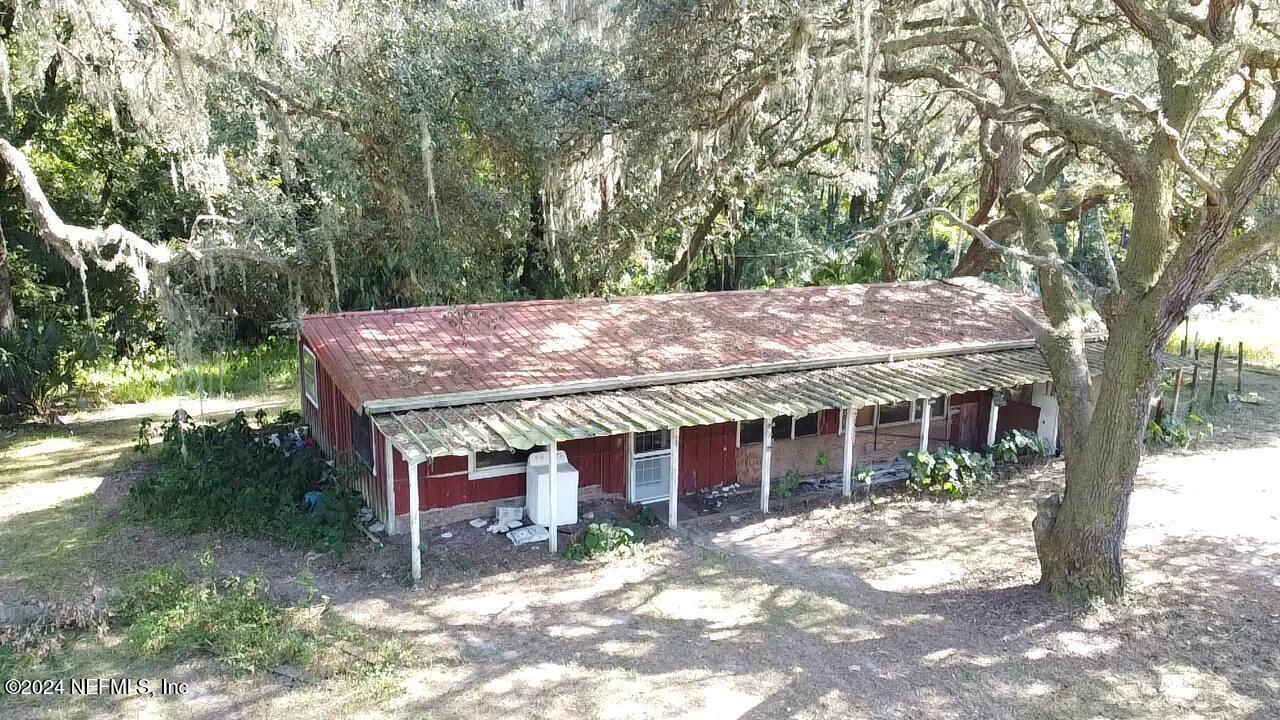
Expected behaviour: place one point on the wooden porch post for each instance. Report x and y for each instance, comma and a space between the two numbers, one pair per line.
553, 539
389, 479
991, 421
674, 490
850, 427
766, 459
924, 426
415, 523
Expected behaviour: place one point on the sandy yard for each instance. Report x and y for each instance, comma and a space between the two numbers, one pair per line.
910, 609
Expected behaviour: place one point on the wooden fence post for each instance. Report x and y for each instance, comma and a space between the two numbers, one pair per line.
1186, 335
1239, 368
1195, 385
1177, 391
1213, 381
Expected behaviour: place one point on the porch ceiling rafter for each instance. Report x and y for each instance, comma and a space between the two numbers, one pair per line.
525, 423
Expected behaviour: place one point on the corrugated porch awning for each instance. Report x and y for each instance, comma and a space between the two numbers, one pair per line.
522, 424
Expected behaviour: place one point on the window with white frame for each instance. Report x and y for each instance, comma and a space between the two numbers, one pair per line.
309, 376
650, 466
500, 462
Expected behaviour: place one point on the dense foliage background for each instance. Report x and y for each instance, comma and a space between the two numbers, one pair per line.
378, 153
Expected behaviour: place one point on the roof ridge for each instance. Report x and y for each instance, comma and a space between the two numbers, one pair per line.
709, 294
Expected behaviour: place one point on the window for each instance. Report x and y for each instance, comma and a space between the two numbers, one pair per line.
500, 462
309, 376
750, 432
650, 442
866, 416
362, 439
650, 466
782, 427
650, 478
805, 426
938, 406
898, 412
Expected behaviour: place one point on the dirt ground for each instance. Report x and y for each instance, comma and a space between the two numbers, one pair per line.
909, 609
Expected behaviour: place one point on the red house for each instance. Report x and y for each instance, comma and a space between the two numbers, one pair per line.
650, 397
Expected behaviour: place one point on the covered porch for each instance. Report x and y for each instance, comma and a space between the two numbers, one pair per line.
426, 434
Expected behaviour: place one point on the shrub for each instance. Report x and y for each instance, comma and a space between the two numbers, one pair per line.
38, 365
647, 517
603, 538
786, 487
1016, 445
1178, 433
230, 476
948, 472
233, 618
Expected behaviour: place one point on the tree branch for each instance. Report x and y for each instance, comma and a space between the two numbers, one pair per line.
1036, 261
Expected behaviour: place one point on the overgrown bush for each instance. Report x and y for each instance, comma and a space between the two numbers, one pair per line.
603, 538
948, 472
39, 361
1017, 445
231, 476
1177, 433
233, 618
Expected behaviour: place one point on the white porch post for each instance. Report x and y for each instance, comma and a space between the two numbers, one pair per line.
674, 490
415, 523
766, 459
389, 479
553, 466
991, 421
924, 426
850, 427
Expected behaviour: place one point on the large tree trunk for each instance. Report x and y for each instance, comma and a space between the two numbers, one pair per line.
1080, 534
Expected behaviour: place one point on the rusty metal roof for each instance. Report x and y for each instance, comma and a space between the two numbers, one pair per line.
439, 353
521, 424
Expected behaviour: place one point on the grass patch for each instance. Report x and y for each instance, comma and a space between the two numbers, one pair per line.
161, 616
43, 453
1242, 319
233, 619
273, 365
51, 550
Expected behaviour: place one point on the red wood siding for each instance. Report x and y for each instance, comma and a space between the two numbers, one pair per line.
330, 425
970, 413
829, 422
600, 461
445, 482
708, 456
1017, 416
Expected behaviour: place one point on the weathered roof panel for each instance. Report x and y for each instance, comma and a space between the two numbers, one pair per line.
391, 355
521, 424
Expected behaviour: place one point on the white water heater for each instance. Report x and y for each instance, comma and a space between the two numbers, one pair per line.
537, 489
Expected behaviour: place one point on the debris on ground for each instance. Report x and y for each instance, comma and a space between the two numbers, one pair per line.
528, 534
1251, 398
507, 518
478, 523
